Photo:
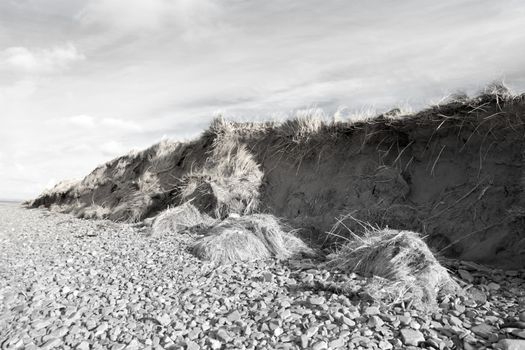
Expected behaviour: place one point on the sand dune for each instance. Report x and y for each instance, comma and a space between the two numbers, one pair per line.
453, 172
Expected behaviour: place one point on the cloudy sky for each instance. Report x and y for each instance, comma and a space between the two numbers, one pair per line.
84, 81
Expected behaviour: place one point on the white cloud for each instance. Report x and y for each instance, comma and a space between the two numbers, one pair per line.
192, 18
120, 124
19, 90
19, 167
92, 122
124, 14
80, 148
82, 120
39, 60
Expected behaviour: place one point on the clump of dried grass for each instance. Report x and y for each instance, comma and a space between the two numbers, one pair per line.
498, 91
94, 211
303, 127
247, 238
133, 208
148, 183
57, 208
164, 154
96, 178
138, 203
228, 244
228, 182
54, 195
221, 128
62, 187
400, 257
180, 218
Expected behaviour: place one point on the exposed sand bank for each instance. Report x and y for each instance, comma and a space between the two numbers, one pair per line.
454, 173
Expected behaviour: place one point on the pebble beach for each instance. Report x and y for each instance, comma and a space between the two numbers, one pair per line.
68, 283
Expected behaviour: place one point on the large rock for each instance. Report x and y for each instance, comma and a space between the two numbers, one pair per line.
411, 337
484, 330
511, 344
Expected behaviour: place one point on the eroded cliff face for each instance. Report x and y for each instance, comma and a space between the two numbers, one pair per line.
454, 173
458, 183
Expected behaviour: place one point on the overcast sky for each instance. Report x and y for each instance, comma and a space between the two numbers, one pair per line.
84, 81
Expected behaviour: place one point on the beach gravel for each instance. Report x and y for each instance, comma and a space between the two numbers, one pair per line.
67, 283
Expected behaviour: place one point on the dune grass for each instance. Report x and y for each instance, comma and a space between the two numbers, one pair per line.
178, 219
94, 211
248, 238
228, 182
400, 257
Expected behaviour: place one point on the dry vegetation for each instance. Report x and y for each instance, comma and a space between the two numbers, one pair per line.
248, 238
452, 172
401, 257
179, 219
228, 182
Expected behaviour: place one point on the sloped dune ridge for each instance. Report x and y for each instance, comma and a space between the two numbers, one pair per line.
453, 172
